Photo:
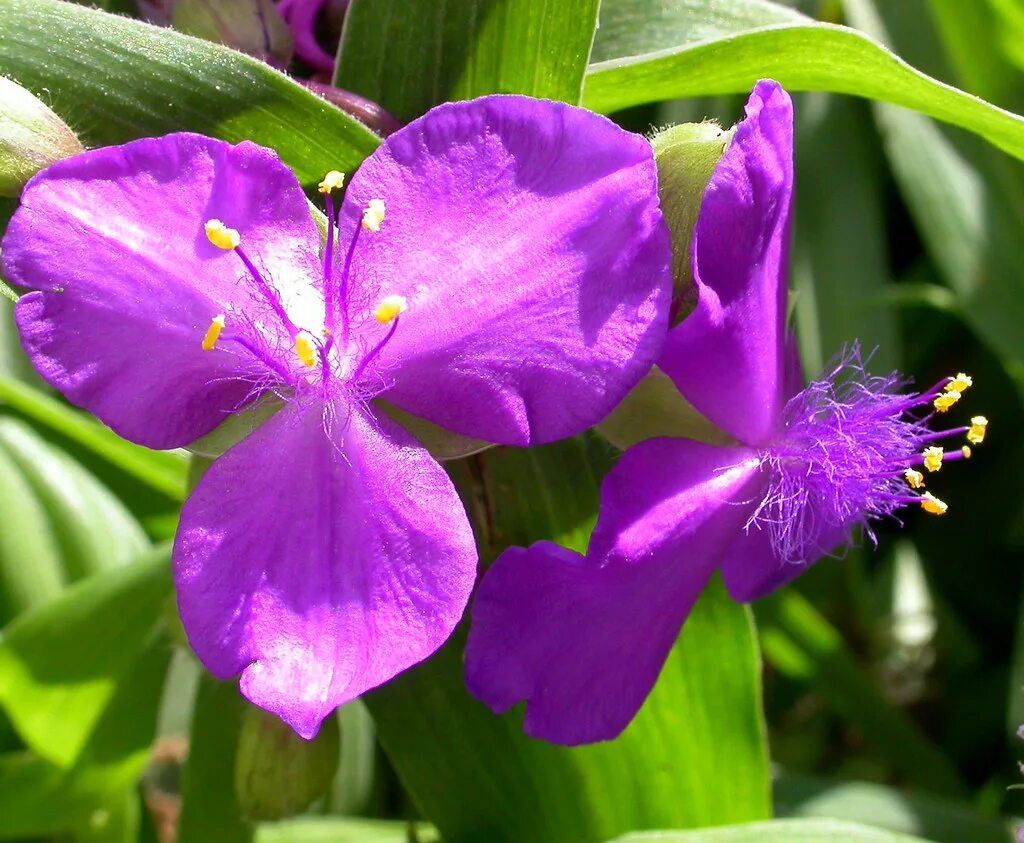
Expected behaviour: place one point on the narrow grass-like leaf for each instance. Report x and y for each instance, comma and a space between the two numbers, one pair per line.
967, 203
345, 830
777, 831
81, 679
113, 79
164, 471
409, 56
938, 819
62, 664
92, 527
803, 56
800, 643
31, 569
209, 806
839, 261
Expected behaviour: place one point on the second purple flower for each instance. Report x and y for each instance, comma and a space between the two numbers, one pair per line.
582, 638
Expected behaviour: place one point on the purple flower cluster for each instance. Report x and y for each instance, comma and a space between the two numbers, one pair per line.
499, 268
582, 638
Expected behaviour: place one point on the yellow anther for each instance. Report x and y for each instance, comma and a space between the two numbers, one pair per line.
966, 451
389, 309
961, 383
221, 236
914, 478
213, 332
373, 215
932, 458
976, 434
931, 504
305, 349
946, 400
334, 180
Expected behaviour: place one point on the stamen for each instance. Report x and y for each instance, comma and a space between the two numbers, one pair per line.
390, 309
221, 236
933, 458
305, 349
213, 332
387, 312
373, 215
914, 478
932, 505
947, 399
334, 180
269, 293
961, 383
966, 451
976, 432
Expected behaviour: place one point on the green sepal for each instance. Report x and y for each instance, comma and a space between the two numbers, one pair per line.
277, 773
32, 137
686, 156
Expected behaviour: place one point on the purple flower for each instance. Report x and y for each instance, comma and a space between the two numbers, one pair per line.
502, 270
582, 639
302, 17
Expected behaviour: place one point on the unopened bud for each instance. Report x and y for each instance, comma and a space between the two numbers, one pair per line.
277, 773
251, 26
686, 156
32, 137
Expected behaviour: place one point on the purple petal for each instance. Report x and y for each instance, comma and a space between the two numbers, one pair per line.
527, 238
582, 639
301, 16
727, 356
752, 569
129, 284
321, 565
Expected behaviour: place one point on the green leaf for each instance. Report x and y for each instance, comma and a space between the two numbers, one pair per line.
31, 568
345, 830
801, 644
39, 799
694, 755
967, 203
938, 819
115, 79
63, 664
803, 56
777, 831
209, 806
93, 529
840, 267
81, 679
164, 471
409, 56
969, 32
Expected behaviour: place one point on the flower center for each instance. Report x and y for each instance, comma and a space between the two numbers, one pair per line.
852, 450
309, 350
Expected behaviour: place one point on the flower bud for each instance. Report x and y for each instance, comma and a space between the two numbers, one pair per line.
277, 773
686, 156
251, 26
32, 137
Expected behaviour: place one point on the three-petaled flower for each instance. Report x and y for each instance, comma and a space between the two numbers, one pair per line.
582, 639
502, 269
